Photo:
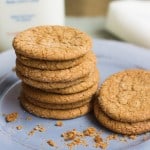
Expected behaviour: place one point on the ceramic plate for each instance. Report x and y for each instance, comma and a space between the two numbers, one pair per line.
111, 57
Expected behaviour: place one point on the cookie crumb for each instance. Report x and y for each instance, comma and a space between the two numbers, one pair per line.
31, 132
90, 131
112, 137
29, 118
74, 138
39, 128
99, 142
69, 135
11, 117
123, 139
59, 123
51, 143
132, 137
19, 127
76, 142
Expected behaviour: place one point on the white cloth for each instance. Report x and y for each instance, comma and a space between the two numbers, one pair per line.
130, 21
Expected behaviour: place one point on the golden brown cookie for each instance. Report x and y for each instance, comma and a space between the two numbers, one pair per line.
56, 114
56, 106
125, 96
47, 85
52, 43
66, 75
82, 86
120, 127
47, 97
50, 65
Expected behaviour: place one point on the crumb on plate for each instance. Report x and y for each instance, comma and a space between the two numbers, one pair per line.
59, 123
51, 143
19, 127
11, 117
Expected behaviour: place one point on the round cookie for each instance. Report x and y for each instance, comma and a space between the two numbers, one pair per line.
50, 65
47, 85
82, 86
52, 43
125, 96
56, 114
66, 75
47, 97
57, 106
120, 127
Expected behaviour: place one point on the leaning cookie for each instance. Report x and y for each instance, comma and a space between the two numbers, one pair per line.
52, 43
125, 96
50, 65
66, 75
56, 114
120, 127
47, 97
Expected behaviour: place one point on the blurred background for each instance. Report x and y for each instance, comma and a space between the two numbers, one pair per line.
122, 20
89, 16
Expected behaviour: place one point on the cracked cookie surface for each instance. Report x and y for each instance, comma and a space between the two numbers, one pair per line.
52, 43
56, 106
120, 127
56, 113
50, 65
65, 75
125, 96
48, 85
82, 86
47, 97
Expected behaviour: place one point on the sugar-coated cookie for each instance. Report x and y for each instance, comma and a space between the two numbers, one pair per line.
56, 113
47, 97
120, 127
50, 65
56, 106
52, 43
125, 96
65, 75
82, 86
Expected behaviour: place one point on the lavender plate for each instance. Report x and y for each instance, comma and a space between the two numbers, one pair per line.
111, 57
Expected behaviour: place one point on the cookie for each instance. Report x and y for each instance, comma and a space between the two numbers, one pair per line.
120, 127
56, 113
52, 43
82, 86
47, 97
50, 65
57, 106
47, 85
66, 75
125, 96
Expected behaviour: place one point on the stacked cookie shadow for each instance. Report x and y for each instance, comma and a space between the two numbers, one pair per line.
58, 71
123, 103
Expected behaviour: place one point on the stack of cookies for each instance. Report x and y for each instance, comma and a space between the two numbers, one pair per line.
58, 71
123, 103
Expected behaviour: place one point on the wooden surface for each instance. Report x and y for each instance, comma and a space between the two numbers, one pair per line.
86, 7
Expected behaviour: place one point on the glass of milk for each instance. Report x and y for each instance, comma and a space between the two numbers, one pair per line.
17, 15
